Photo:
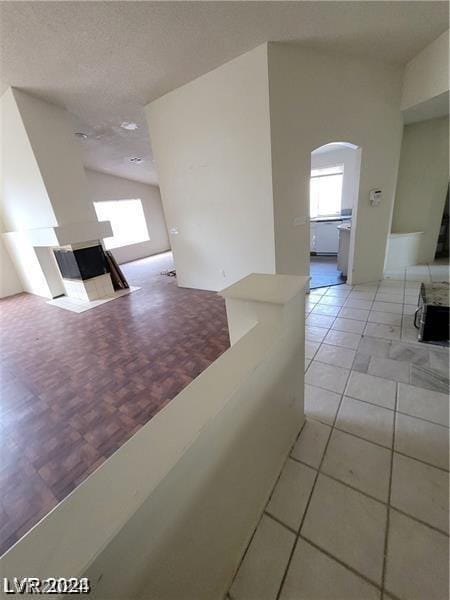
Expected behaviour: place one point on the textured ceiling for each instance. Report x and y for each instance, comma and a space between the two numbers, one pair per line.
104, 61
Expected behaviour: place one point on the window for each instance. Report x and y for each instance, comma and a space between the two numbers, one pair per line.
127, 222
326, 191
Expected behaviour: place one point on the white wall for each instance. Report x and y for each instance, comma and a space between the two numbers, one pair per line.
238, 193
59, 158
9, 280
211, 140
316, 99
427, 74
402, 251
47, 262
422, 182
26, 263
348, 157
43, 186
104, 187
24, 199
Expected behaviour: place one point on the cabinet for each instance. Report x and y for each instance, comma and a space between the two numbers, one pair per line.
325, 237
312, 237
344, 249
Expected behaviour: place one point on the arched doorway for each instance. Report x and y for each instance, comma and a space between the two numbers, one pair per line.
333, 198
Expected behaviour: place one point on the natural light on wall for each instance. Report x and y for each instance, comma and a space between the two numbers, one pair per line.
127, 222
326, 191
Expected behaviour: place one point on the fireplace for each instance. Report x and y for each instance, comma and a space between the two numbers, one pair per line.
84, 270
81, 263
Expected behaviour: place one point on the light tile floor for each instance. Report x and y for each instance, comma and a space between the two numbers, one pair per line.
360, 510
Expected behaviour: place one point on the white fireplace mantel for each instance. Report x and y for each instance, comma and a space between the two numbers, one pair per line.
72, 233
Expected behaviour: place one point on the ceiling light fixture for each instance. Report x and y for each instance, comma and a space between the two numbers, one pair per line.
136, 160
80, 135
129, 125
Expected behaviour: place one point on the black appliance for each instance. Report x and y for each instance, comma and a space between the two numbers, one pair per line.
432, 316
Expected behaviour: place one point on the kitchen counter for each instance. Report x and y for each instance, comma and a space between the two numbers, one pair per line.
344, 247
345, 226
324, 233
328, 219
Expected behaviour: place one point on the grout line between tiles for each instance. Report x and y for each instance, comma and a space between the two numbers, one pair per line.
417, 520
277, 520
305, 512
400, 412
384, 593
324, 342
352, 487
371, 403
396, 451
341, 562
377, 443
424, 462
326, 389
338, 560
391, 468
264, 511
330, 364
285, 461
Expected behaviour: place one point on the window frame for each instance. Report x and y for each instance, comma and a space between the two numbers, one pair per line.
320, 173
119, 239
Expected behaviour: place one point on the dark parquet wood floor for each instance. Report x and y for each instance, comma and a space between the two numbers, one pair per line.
75, 387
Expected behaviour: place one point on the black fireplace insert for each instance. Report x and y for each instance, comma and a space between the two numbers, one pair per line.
83, 263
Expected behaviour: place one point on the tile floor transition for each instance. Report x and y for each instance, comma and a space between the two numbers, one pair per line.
323, 271
360, 509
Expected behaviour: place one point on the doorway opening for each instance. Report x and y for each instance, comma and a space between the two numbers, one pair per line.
442, 249
333, 196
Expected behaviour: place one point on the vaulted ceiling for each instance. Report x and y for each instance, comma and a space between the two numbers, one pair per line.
104, 61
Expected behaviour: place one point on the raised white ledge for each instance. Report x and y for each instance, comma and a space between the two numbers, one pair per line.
403, 250
207, 461
397, 235
261, 287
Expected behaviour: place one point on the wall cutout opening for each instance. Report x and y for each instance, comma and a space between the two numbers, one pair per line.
127, 221
333, 197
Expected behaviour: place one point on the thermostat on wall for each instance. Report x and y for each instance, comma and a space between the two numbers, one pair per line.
375, 197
